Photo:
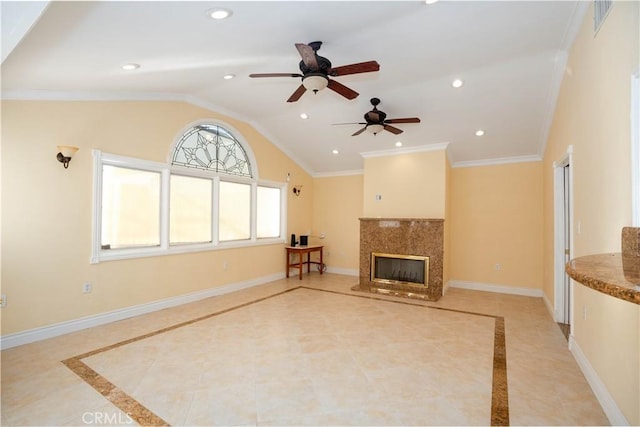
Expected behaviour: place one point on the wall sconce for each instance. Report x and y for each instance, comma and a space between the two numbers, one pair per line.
65, 154
297, 189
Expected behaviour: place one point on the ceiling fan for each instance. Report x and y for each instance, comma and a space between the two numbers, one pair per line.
316, 71
376, 121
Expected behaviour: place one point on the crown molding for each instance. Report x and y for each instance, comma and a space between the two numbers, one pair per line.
338, 173
408, 150
498, 161
52, 95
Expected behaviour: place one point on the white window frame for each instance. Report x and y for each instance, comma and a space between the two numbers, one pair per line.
99, 255
635, 148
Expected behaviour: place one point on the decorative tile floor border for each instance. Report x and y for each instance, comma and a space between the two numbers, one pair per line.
143, 416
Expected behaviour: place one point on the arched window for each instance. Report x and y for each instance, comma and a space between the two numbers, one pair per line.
213, 148
207, 195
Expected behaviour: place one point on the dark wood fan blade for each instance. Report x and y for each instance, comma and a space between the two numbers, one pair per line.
342, 89
406, 120
361, 67
393, 130
297, 94
353, 123
276, 75
308, 56
360, 131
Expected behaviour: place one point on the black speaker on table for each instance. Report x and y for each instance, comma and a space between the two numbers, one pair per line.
293, 240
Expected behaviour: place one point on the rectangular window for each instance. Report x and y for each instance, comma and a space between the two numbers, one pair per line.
268, 212
234, 211
143, 208
130, 208
190, 210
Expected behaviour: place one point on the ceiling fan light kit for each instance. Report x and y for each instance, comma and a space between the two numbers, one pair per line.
315, 82
374, 128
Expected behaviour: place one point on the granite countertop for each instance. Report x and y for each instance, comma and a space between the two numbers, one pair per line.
611, 274
401, 219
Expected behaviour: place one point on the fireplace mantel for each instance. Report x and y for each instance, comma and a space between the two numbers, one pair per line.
405, 236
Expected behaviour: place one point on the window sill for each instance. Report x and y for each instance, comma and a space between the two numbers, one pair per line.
133, 253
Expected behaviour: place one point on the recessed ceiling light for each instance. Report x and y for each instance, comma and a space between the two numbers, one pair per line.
398, 144
304, 116
479, 132
430, 1
228, 76
457, 83
129, 67
335, 152
219, 13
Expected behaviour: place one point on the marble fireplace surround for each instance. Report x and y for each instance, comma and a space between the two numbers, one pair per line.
403, 236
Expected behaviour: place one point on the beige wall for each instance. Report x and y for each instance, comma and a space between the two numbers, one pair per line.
337, 206
412, 185
496, 218
446, 270
493, 213
46, 211
592, 114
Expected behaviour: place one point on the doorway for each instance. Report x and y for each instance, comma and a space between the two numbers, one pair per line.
563, 235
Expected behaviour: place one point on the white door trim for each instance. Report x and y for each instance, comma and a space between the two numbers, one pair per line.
635, 148
559, 230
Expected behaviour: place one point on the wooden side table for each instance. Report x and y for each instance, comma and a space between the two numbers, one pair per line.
299, 262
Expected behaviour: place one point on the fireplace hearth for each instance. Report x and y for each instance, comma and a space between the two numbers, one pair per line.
402, 257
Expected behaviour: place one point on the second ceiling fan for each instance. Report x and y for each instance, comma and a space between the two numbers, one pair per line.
376, 121
317, 70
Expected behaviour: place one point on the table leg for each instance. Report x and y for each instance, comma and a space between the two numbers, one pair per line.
300, 259
288, 260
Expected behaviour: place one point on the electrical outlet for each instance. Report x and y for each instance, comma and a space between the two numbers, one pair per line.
3, 300
87, 287
498, 267
225, 265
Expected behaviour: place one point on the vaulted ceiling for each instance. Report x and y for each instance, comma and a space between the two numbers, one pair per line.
510, 56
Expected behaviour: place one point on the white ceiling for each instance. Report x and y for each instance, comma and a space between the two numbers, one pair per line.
510, 54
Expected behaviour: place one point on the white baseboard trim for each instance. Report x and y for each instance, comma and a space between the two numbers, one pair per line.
57, 329
490, 287
445, 288
345, 271
611, 409
550, 308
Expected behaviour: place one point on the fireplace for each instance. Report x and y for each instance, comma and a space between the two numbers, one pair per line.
384, 241
400, 269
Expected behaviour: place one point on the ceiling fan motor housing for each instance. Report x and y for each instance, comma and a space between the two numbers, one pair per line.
324, 65
375, 116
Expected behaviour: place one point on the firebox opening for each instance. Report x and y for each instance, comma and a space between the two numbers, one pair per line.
399, 269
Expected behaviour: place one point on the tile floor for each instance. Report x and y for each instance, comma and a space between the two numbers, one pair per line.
309, 352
